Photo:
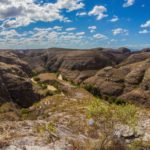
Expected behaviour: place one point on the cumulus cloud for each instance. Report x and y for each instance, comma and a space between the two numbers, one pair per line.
146, 24
70, 29
80, 33
100, 36
21, 13
14, 23
128, 3
144, 31
9, 34
81, 14
120, 31
92, 28
114, 19
70, 5
58, 28
98, 11
41, 38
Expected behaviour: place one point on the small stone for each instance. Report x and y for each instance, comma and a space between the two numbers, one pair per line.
91, 122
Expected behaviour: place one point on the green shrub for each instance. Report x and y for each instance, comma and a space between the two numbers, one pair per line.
107, 116
7, 107
34, 73
27, 114
92, 90
37, 79
24, 111
139, 145
125, 114
117, 101
50, 127
42, 85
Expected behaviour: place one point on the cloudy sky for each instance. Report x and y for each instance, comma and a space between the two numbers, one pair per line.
74, 23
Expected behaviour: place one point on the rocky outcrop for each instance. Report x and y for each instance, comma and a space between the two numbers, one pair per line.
15, 84
75, 65
117, 73
4, 94
128, 82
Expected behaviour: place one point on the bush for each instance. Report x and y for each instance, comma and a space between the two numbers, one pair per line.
42, 85
107, 116
34, 73
37, 79
125, 114
50, 127
25, 111
92, 90
116, 101
50, 130
7, 107
140, 145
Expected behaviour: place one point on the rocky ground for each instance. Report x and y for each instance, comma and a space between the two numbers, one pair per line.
42, 110
61, 121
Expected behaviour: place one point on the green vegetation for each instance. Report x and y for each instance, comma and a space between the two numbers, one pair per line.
50, 130
42, 85
37, 79
50, 127
34, 73
107, 116
110, 99
138, 145
27, 114
117, 101
125, 114
6, 107
92, 90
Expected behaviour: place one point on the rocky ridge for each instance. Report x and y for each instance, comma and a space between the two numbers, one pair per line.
15, 80
113, 73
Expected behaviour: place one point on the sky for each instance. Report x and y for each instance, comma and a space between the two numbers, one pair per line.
79, 24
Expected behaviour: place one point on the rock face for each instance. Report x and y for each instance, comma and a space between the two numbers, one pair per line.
75, 65
117, 73
128, 82
4, 94
15, 84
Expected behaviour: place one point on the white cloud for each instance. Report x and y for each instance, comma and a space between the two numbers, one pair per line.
58, 28
23, 12
70, 5
144, 31
80, 33
81, 14
16, 22
113, 40
41, 38
70, 29
128, 3
120, 31
114, 19
8, 34
146, 25
92, 28
99, 12
100, 37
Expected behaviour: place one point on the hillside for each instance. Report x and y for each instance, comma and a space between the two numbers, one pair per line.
63, 99
126, 73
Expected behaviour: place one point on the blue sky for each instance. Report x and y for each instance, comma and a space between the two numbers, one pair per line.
74, 23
